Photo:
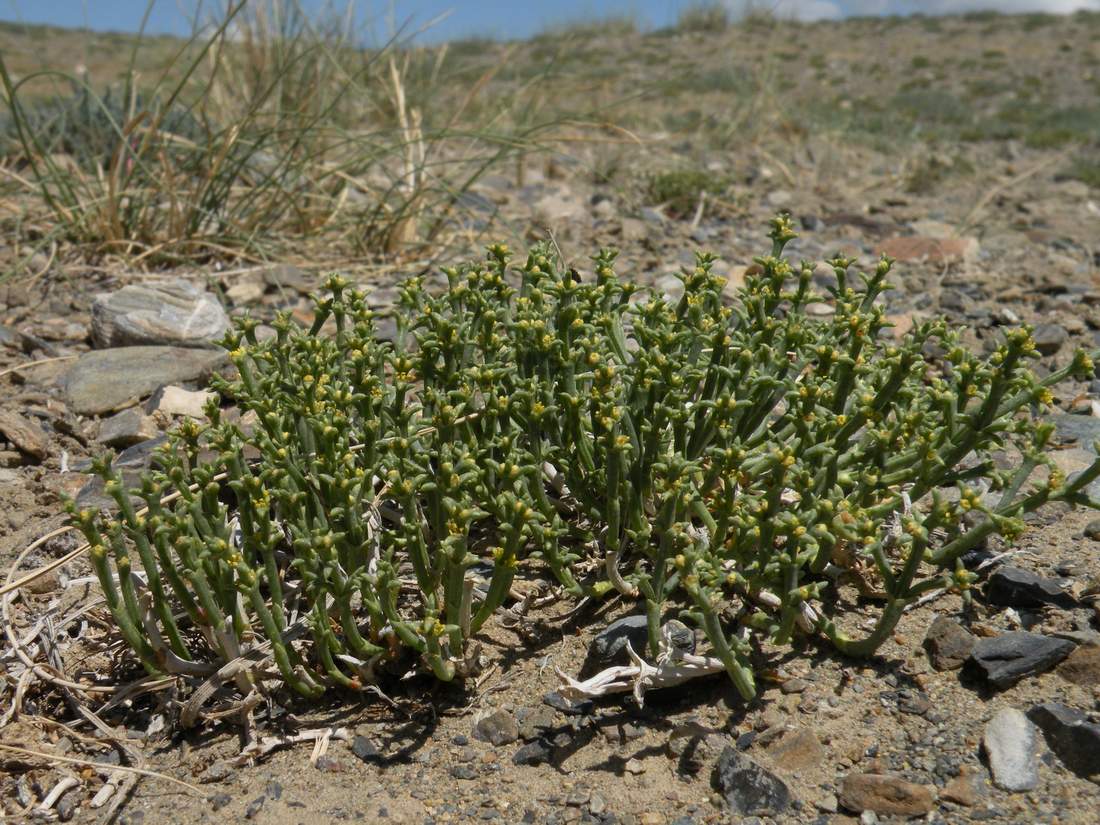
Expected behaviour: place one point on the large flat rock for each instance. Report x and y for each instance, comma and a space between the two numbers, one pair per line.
172, 313
104, 380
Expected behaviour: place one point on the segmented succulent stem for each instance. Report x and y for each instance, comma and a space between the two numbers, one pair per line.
383, 496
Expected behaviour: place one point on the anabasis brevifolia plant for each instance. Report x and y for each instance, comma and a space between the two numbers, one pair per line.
720, 459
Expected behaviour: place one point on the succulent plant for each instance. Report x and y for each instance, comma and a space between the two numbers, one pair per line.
723, 458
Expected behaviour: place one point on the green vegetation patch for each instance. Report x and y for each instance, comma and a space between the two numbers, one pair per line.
717, 461
679, 191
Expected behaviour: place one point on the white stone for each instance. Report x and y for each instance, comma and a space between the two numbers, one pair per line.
1010, 746
172, 400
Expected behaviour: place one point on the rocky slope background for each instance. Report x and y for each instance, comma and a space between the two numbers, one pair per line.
965, 147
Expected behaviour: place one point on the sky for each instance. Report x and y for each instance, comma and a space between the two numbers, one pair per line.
493, 18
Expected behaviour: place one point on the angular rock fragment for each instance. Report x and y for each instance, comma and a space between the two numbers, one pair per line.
288, 276
1073, 738
1010, 743
172, 400
104, 380
172, 313
948, 643
365, 749
533, 722
1013, 587
498, 728
533, 753
131, 463
609, 646
961, 790
24, 434
884, 794
1004, 660
935, 250
749, 788
1082, 667
1049, 338
127, 428
799, 750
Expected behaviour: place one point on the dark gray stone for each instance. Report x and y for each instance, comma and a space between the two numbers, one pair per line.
609, 647
127, 428
218, 772
534, 722
1092, 530
1049, 338
558, 702
533, 753
913, 702
1004, 660
497, 728
254, 807
365, 749
132, 463
67, 805
1073, 738
219, 801
1081, 428
1013, 587
948, 643
749, 788
140, 456
105, 380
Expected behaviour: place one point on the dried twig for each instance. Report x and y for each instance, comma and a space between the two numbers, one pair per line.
72, 760
673, 667
266, 744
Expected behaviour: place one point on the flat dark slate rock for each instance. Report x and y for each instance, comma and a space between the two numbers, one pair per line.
749, 788
1004, 660
559, 703
131, 463
1013, 587
1073, 738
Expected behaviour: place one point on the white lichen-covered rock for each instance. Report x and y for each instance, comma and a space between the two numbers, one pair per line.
171, 312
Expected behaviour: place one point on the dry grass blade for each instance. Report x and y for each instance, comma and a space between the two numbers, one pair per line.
246, 145
53, 759
39, 363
